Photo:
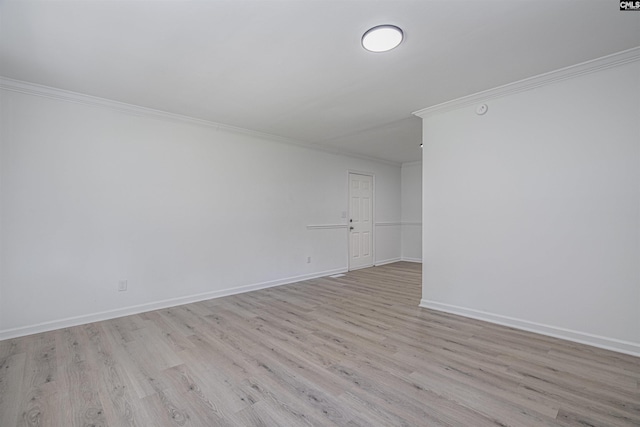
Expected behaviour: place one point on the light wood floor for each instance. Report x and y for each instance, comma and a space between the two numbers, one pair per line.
352, 351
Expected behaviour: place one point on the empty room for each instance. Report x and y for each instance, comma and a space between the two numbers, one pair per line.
319, 213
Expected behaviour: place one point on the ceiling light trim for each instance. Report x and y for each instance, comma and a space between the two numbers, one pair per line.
382, 38
583, 68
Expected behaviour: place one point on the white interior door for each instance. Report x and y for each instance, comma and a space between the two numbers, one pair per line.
360, 221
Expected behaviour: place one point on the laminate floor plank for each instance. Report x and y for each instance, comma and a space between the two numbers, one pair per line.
197, 399
169, 333
44, 405
11, 374
117, 393
218, 382
355, 350
259, 415
42, 391
78, 377
287, 408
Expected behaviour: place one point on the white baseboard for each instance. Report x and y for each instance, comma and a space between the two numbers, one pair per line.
157, 305
613, 344
387, 261
408, 259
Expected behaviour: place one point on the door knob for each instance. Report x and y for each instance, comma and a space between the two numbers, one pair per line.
350, 228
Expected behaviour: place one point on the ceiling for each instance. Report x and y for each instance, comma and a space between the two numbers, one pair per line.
295, 68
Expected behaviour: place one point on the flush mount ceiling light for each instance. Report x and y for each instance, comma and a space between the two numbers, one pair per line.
382, 38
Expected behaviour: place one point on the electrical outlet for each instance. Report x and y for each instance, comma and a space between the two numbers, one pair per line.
308, 260
122, 285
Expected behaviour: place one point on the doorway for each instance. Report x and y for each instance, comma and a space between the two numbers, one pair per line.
360, 221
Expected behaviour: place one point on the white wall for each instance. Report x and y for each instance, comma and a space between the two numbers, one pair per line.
387, 220
91, 196
412, 211
532, 211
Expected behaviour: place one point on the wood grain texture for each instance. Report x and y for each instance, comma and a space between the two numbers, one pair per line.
349, 351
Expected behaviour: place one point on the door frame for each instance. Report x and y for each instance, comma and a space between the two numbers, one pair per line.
373, 216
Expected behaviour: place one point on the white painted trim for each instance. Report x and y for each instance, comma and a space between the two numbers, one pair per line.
122, 107
387, 261
587, 67
407, 259
607, 343
172, 302
326, 226
388, 224
416, 224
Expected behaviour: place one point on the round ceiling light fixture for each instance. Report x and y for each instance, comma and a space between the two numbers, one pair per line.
382, 38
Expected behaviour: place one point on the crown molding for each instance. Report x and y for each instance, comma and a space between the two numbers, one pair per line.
603, 63
413, 163
42, 91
